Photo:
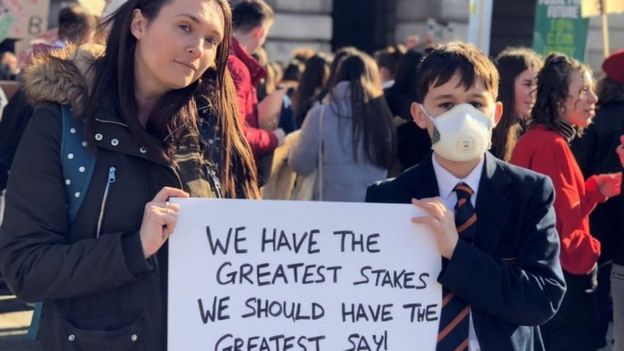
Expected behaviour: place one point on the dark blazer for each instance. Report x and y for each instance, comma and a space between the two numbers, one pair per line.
511, 275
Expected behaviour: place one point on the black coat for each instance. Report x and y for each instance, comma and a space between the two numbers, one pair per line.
595, 153
99, 293
511, 275
413, 143
102, 291
15, 117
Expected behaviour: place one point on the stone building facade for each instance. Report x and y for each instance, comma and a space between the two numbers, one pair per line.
375, 23
372, 24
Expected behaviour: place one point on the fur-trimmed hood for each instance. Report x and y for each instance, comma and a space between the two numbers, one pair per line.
62, 76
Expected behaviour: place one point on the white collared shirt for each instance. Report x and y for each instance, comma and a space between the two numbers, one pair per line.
446, 184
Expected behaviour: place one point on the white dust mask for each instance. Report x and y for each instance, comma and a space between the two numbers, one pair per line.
462, 133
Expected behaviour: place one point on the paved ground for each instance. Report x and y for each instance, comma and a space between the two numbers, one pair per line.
14, 320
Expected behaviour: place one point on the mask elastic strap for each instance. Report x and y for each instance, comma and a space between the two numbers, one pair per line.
436, 134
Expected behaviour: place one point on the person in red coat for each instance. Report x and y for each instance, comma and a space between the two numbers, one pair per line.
565, 104
252, 20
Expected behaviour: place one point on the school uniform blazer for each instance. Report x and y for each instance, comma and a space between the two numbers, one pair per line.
510, 275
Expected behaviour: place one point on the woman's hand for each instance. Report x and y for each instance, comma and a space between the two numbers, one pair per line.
442, 221
609, 184
159, 220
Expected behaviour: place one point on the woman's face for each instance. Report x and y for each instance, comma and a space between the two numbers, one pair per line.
579, 107
524, 89
176, 47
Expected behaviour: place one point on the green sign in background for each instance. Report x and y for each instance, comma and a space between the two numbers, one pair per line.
560, 28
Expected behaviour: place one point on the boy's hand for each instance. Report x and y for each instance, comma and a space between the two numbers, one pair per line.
442, 221
609, 184
620, 150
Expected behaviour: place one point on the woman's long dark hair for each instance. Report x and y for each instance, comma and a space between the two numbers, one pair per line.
311, 82
405, 89
372, 119
338, 56
510, 63
175, 113
553, 82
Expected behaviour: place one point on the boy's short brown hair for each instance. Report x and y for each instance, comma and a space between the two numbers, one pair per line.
441, 64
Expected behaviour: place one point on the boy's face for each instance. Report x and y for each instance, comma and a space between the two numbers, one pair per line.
446, 96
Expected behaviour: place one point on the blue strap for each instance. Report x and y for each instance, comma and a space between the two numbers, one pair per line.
77, 162
33, 330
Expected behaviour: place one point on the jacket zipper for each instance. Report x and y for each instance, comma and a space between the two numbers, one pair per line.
111, 179
215, 182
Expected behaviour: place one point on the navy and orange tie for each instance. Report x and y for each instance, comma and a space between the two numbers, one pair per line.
455, 316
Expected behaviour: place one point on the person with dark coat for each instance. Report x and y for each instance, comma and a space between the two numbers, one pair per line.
160, 122
15, 116
594, 152
493, 223
413, 143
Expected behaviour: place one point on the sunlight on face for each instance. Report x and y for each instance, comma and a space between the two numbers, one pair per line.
580, 105
442, 98
178, 46
446, 96
525, 85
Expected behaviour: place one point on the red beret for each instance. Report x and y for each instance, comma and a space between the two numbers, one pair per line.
613, 66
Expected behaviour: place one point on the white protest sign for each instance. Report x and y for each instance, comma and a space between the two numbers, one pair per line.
280, 275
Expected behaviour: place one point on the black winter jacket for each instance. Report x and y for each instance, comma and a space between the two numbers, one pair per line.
14, 119
99, 291
595, 153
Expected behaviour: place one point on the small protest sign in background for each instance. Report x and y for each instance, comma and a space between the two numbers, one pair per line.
20, 19
559, 27
277, 275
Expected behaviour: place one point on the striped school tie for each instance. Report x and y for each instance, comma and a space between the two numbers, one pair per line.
455, 316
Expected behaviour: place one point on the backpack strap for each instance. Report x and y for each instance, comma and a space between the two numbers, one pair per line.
77, 161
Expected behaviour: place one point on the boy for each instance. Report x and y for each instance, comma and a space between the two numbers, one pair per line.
494, 223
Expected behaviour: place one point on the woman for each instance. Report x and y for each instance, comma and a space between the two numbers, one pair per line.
160, 120
355, 131
333, 67
312, 80
518, 69
565, 103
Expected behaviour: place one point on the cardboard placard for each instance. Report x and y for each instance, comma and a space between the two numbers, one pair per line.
281, 275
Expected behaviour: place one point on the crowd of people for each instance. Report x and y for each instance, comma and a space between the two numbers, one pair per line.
179, 99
